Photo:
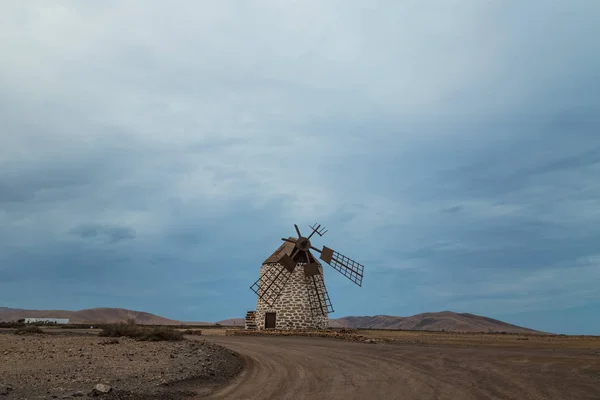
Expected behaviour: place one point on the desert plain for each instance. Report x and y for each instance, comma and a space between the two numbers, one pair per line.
357, 364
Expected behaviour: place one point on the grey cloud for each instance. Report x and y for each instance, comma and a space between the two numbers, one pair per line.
453, 210
46, 181
569, 163
69, 262
111, 234
504, 178
177, 156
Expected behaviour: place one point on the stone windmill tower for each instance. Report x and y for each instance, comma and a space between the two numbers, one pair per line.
291, 289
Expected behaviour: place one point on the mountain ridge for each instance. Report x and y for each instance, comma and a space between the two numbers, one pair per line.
97, 315
438, 321
431, 321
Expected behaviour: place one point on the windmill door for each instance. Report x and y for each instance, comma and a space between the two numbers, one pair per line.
270, 320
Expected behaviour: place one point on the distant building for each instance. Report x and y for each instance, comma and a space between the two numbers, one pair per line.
46, 320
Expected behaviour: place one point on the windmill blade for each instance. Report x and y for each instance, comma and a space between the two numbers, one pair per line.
288, 263
311, 269
346, 266
298, 230
270, 285
320, 303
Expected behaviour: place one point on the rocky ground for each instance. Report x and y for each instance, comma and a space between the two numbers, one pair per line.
63, 365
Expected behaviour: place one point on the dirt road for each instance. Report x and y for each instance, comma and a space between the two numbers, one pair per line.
312, 368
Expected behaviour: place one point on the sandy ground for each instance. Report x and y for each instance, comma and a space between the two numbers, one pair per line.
65, 365
411, 365
496, 340
411, 368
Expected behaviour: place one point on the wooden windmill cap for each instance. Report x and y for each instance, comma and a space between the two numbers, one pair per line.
285, 248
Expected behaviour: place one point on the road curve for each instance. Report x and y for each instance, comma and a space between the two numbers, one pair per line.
316, 368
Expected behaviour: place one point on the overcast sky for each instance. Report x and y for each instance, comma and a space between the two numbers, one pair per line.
153, 153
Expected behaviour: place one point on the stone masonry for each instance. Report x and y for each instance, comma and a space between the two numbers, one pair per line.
293, 307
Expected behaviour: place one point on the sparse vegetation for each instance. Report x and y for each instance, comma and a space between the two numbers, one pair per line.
12, 324
132, 330
196, 332
160, 334
29, 330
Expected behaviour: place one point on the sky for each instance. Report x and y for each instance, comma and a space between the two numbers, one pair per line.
152, 154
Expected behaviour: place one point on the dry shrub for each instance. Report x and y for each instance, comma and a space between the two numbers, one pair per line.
29, 330
196, 332
132, 330
162, 334
12, 325
348, 331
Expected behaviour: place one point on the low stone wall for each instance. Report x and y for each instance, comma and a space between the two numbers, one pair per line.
343, 334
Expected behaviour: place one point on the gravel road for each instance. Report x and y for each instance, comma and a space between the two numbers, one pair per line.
313, 368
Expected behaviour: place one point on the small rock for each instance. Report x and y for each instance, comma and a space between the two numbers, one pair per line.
5, 389
78, 394
101, 388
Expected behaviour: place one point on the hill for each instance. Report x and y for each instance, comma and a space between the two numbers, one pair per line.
445, 320
93, 315
437, 321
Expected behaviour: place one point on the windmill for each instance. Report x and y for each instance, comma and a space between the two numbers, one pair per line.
291, 288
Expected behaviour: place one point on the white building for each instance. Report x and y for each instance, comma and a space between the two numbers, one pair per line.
46, 320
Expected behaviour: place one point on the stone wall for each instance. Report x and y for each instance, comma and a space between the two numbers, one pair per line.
292, 308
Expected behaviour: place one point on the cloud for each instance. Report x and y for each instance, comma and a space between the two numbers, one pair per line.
113, 234
152, 156
454, 209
